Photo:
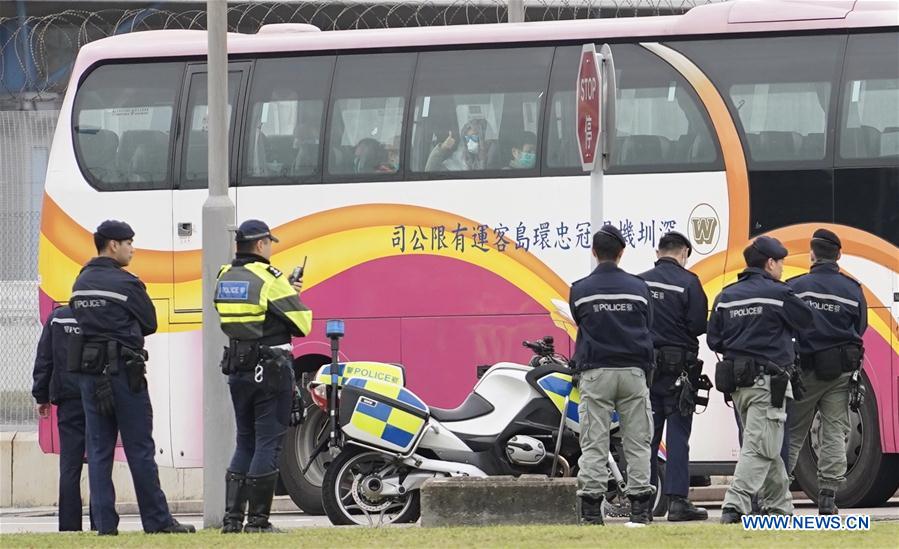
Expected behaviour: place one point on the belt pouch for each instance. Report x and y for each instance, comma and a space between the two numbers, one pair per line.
828, 364
74, 353
724, 376
93, 357
852, 357
745, 372
670, 360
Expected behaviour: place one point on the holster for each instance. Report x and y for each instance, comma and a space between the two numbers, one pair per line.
273, 368
135, 362
856, 391
779, 383
73, 353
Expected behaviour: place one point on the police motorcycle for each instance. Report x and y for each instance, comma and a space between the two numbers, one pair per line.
387, 442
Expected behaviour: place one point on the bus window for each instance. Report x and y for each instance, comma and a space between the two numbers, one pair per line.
780, 89
866, 177
195, 163
659, 124
287, 103
366, 123
869, 120
780, 92
478, 110
122, 125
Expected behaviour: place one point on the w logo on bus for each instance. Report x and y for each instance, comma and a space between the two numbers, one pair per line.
704, 228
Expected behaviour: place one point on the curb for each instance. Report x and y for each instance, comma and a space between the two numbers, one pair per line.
281, 504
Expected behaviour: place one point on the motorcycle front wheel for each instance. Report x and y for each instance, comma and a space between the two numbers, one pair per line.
345, 501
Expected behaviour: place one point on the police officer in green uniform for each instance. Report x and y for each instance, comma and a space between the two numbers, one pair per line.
830, 351
260, 311
752, 324
613, 358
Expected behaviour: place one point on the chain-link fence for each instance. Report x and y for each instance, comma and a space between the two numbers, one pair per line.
25, 138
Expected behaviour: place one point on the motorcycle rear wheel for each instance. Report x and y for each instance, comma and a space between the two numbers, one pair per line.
346, 505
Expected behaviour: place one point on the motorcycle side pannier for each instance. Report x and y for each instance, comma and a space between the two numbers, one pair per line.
383, 415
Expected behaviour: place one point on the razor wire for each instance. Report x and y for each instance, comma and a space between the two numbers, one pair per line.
42, 49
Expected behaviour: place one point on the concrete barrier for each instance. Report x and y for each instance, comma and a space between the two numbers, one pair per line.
468, 501
6, 440
30, 478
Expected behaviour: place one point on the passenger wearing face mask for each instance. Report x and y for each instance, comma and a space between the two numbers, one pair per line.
470, 154
524, 156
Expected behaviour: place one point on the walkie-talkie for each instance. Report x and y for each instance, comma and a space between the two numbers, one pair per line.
297, 272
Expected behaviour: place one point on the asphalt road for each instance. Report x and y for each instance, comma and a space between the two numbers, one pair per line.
12, 523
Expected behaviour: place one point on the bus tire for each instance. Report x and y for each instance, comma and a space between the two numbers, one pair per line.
299, 443
871, 477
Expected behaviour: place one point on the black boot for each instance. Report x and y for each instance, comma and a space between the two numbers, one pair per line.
826, 503
640, 508
591, 510
177, 528
681, 509
235, 502
729, 515
261, 490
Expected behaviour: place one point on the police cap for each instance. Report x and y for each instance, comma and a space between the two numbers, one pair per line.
827, 236
770, 247
675, 238
253, 229
610, 231
115, 230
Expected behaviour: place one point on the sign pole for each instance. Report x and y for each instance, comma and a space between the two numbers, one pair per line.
218, 217
595, 89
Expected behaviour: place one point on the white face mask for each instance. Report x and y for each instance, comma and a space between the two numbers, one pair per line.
472, 147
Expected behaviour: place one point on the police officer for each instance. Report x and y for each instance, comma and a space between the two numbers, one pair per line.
830, 351
115, 313
260, 310
680, 312
613, 357
54, 384
752, 324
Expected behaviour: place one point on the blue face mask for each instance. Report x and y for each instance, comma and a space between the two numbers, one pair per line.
527, 160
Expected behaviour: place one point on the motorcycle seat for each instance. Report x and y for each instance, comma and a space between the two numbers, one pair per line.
474, 406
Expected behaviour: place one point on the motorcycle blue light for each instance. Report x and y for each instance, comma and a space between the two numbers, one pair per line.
334, 328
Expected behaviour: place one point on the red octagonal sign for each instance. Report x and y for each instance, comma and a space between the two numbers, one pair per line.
588, 89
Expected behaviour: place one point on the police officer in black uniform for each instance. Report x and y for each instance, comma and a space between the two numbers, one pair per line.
680, 313
830, 353
260, 310
115, 313
613, 357
753, 323
53, 384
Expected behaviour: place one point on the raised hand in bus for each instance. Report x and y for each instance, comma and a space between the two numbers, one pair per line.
449, 143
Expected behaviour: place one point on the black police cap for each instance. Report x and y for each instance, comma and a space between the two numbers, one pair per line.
674, 237
115, 230
827, 236
610, 231
253, 229
770, 247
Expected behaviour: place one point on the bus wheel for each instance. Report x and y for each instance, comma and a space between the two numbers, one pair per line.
871, 476
299, 444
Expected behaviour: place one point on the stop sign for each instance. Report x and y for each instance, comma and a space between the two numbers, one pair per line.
589, 90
